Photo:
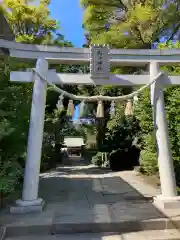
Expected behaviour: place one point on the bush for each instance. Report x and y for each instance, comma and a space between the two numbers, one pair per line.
148, 163
47, 159
116, 159
148, 156
11, 175
121, 132
124, 159
97, 159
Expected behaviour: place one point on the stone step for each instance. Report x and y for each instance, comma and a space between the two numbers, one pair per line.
142, 235
25, 229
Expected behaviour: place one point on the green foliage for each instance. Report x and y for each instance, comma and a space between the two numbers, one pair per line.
121, 131
172, 97
130, 24
14, 113
90, 132
98, 159
143, 113
10, 174
148, 157
30, 21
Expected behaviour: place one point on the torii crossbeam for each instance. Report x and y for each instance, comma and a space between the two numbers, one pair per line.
85, 79
67, 55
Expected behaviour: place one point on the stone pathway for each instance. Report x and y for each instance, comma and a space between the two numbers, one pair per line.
86, 199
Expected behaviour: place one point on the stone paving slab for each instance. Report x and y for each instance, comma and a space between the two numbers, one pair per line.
84, 198
2, 233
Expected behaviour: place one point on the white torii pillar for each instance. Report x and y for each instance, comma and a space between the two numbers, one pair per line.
30, 201
168, 197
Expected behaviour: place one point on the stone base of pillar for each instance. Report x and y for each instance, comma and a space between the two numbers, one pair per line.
167, 202
27, 206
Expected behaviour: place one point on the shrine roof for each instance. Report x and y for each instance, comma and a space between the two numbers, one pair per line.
74, 141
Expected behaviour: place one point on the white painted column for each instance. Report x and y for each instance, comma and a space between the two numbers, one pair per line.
165, 162
33, 159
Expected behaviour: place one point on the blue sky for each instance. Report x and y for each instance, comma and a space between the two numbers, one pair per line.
70, 14
76, 113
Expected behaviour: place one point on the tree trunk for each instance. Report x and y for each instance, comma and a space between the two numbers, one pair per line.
58, 144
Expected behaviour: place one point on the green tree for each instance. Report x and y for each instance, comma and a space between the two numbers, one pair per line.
130, 24
30, 20
31, 24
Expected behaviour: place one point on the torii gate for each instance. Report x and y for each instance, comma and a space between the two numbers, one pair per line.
99, 76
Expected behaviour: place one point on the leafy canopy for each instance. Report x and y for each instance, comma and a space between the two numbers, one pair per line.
131, 24
30, 20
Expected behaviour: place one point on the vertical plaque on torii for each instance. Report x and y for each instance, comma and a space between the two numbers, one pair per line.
99, 62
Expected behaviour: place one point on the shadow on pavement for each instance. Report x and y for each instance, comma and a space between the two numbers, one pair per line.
82, 198
89, 194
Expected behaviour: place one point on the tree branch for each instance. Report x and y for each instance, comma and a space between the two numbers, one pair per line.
139, 34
